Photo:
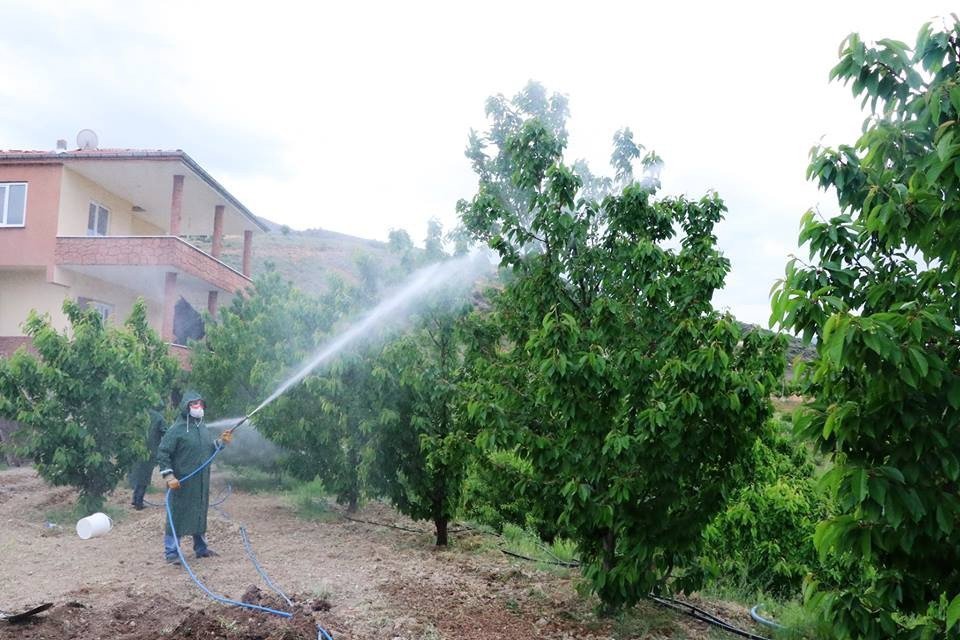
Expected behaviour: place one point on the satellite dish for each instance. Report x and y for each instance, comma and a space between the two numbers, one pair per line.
87, 140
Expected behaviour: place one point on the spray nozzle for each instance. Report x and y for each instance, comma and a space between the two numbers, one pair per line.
242, 420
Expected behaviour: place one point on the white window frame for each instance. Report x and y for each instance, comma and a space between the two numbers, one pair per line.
96, 223
105, 309
6, 204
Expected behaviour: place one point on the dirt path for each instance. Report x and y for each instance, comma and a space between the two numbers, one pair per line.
356, 580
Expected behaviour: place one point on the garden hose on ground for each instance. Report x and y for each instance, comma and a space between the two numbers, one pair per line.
321, 632
220, 499
703, 616
754, 613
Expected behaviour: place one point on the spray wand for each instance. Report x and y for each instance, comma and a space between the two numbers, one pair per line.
244, 419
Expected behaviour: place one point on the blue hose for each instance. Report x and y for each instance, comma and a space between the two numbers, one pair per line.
253, 559
321, 632
761, 620
220, 499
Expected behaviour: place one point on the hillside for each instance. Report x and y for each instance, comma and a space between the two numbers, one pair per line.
308, 258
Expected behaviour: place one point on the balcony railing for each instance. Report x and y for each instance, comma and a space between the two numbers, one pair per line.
168, 251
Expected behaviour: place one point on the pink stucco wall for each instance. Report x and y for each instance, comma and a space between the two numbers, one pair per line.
33, 244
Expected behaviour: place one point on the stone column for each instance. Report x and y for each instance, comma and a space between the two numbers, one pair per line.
169, 305
176, 205
217, 246
247, 251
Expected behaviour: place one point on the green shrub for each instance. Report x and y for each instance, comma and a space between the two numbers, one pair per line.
497, 494
763, 540
309, 500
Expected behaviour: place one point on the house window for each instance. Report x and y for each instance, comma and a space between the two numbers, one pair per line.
13, 203
97, 220
104, 309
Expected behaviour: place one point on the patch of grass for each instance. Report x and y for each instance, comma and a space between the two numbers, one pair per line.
323, 591
526, 543
229, 626
647, 620
786, 405
68, 516
253, 480
728, 591
309, 501
799, 622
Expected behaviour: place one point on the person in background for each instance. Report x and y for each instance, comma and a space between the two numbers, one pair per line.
186, 445
142, 471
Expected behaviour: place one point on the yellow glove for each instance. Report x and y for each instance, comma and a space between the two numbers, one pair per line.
173, 483
226, 437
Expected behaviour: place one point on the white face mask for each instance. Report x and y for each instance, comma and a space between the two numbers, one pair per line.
196, 412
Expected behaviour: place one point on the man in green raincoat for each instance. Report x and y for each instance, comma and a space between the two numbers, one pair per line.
186, 445
140, 475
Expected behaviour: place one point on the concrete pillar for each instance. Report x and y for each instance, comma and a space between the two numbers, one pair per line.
176, 205
247, 251
217, 244
169, 304
212, 304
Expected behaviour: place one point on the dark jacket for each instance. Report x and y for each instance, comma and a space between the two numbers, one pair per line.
187, 445
140, 475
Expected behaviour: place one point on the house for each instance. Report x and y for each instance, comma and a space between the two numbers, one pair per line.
104, 226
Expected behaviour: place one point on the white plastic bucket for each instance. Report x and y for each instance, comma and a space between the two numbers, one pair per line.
92, 526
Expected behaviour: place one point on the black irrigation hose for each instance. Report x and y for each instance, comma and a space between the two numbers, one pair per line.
556, 559
384, 524
703, 616
558, 562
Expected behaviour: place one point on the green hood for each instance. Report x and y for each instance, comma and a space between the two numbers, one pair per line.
185, 401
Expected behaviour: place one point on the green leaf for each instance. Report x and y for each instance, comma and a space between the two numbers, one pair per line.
919, 360
913, 504
943, 147
943, 521
953, 612
892, 473
906, 374
877, 489
858, 482
953, 394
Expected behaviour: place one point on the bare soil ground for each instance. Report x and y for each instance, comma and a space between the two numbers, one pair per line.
356, 580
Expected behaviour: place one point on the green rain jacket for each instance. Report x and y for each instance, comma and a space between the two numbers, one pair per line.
141, 472
187, 445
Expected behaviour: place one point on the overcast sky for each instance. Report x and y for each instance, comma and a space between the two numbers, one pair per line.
353, 116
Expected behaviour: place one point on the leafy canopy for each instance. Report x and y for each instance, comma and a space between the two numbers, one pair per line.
879, 293
631, 398
82, 400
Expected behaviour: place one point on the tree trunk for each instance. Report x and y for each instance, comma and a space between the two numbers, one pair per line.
441, 525
352, 503
609, 550
439, 515
7, 427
